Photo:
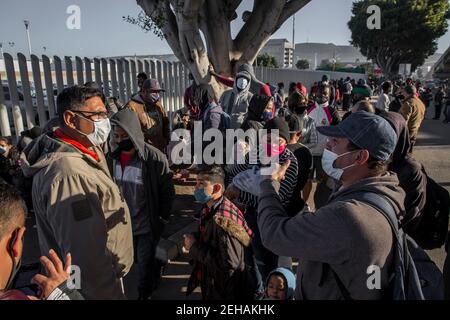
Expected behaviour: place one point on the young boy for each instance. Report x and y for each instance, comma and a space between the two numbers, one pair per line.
220, 248
280, 285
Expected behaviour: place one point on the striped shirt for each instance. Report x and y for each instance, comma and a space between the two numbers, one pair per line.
287, 185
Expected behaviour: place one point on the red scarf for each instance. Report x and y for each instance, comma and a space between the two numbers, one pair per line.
58, 133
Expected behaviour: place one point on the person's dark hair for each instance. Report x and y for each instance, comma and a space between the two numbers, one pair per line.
213, 174
378, 167
74, 98
8, 140
365, 105
411, 90
386, 86
297, 102
202, 94
142, 75
12, 210
281, 85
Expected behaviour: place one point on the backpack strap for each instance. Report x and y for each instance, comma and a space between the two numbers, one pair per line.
387, 210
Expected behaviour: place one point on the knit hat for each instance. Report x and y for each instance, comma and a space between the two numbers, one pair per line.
281, 125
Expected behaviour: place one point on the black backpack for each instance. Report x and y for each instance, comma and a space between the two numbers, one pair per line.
414, 276
432, 229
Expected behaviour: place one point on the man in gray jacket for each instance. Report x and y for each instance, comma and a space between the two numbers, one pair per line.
345, 248
235, 102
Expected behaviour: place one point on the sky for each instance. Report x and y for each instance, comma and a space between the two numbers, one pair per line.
104, 33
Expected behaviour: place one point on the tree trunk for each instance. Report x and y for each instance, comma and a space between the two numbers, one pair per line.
186, 19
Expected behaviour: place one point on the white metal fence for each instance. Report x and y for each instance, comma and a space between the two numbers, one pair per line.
29, 91
28, 95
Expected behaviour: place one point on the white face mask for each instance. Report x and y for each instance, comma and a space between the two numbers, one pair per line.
241, 83
3, 151
328, 160
102, 128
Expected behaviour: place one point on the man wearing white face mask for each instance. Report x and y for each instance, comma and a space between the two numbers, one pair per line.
235, 102
79, 208
340, 243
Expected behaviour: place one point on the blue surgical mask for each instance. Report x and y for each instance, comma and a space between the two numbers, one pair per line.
201, 196
267, 115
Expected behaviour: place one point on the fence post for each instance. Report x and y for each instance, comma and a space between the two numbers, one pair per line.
112, 65
121, 83
133, 76
14, 95
49, 85
39, 92
59, 74
79, 65
98, 75
30, 115
126, 68
105, 79
4, 120
147, 68
88, 68
69, 71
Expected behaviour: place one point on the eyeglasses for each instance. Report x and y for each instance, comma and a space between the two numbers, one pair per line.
94, 116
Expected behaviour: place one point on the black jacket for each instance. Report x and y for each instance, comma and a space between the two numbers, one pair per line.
157, 178
410, 174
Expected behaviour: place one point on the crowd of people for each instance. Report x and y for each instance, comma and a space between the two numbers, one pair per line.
99, 179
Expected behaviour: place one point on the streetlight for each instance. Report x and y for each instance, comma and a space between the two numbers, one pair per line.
27, 27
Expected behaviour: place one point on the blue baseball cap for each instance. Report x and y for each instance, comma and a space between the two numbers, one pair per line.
367, 131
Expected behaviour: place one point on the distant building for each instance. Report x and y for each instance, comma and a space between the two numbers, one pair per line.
315, 53
282, 50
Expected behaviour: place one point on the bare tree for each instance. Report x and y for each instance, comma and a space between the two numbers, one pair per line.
183, 22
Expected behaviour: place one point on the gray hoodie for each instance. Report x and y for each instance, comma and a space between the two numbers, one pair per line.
345, 236
235, 102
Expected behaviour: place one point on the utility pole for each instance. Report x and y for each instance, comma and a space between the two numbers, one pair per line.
27, 27
293, 40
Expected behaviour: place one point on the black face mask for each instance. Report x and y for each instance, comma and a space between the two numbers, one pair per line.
300, 110
126, 145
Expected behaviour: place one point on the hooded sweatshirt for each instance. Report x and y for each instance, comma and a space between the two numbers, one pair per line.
254, 119
80, 210
346, 236
412, 178
235, 102
289, 279
146, 181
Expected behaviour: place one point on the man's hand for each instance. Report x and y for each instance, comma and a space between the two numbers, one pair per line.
57, 273
280, 172
189, 241
232, 193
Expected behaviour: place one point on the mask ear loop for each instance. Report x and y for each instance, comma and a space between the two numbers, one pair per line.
11, 253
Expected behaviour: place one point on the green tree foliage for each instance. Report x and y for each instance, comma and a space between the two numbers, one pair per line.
409, 31
266, 60
302, 64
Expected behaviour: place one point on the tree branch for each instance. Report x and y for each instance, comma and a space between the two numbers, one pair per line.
290, 8
153, 8
261, 23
